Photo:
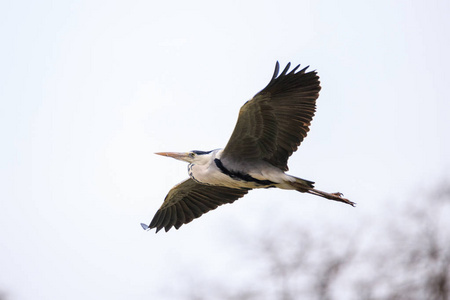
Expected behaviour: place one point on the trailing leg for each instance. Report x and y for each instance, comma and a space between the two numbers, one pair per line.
331, 196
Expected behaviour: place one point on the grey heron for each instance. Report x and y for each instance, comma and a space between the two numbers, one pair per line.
270, 127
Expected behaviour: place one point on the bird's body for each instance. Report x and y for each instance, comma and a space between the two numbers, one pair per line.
210, 170
269, 129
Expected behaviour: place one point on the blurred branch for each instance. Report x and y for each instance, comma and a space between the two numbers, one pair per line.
409, 258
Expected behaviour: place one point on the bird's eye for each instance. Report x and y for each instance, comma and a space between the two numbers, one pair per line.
191, 154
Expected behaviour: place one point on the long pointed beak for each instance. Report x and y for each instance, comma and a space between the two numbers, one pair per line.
177, 155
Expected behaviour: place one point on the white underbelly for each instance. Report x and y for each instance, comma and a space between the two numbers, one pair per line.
217, 178
213, 176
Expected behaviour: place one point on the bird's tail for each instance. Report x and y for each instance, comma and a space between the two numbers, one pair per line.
301, 185
306, 186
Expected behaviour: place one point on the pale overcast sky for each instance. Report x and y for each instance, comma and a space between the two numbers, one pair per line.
91, 89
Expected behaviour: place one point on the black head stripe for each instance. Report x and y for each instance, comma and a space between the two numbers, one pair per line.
198, 152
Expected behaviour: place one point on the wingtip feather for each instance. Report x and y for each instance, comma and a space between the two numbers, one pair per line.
285, 69
277, 69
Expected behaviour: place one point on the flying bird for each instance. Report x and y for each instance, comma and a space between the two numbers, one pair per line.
270, 127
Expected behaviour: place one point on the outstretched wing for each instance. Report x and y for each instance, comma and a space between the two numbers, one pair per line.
272, 125
189, 200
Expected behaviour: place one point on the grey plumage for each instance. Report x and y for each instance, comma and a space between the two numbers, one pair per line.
273, 124
189, 200
270, 127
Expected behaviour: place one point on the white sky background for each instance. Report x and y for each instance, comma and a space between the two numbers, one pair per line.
89, 90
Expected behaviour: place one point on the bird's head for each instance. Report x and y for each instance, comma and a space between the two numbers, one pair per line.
194, 156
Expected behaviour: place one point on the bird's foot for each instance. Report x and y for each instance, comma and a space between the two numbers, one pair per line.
332, 196
338, 197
